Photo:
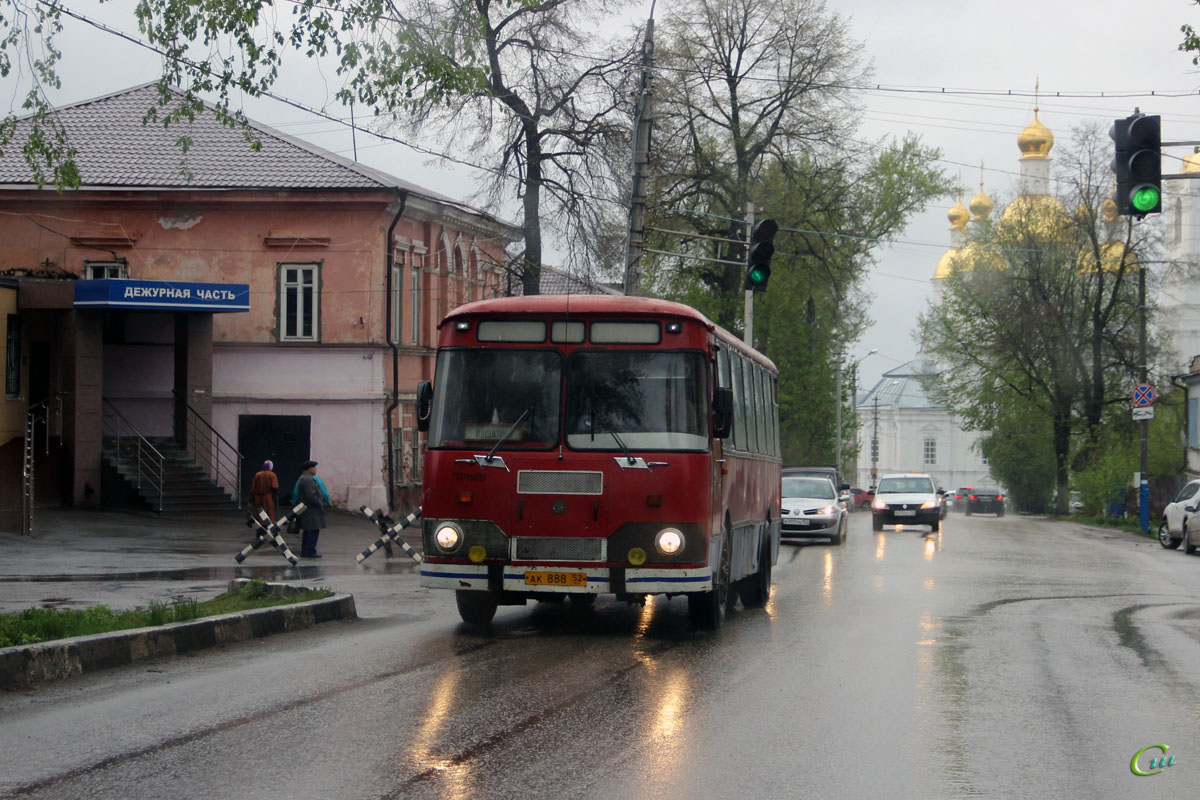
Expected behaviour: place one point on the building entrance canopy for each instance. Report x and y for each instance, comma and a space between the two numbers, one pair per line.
162, 295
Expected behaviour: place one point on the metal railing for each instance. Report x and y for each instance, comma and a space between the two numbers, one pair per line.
135, 453
215, 453
38, 413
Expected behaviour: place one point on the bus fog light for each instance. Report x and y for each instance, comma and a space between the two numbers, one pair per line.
448, 538
637, 556
669, 541
477, 553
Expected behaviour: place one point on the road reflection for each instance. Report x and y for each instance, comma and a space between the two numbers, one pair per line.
880, 546
827, 581
427, 751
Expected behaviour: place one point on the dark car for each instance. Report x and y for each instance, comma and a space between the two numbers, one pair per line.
985, 501
825, 472
960, 498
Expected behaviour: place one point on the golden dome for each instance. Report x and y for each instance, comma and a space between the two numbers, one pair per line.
1112, 254
1038, 215
945, 265
958, 216
978, 259
1036, 140
981, 206
1191, 163
1109, 209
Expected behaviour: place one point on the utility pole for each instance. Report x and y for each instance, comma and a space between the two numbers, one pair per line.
1143, 482
748, 332
875, 447
642, 124
838, 383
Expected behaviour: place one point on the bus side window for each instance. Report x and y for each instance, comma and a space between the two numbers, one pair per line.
775, 441
752, 419
760, 444
739, 403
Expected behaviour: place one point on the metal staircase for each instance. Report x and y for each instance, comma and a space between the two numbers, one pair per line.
162, 473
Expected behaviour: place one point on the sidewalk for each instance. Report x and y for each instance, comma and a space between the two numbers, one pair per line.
79, 558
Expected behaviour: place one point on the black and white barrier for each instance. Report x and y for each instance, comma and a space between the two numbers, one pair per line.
391, 533
265, 530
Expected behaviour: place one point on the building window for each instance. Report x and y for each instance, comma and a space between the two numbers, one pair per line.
417, 264
983, 458
12, 358
397, 295
299, 305
930, 450
1193, 421
101, 270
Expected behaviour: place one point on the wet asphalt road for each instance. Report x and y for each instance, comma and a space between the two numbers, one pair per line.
998, 658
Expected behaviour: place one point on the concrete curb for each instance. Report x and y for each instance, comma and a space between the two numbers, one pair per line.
63, 658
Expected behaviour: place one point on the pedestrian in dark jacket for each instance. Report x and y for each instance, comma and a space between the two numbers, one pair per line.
313, 518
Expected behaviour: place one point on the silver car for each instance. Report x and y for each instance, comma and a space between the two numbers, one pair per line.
811, 509
1177, 521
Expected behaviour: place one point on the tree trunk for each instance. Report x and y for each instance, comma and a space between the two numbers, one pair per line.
531, 268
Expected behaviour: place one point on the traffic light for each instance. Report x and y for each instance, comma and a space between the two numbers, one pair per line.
758, 257
1138, 164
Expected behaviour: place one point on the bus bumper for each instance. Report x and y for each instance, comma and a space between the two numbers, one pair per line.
544, 579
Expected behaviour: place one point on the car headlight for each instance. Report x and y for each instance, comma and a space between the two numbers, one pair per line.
879, 503
827, 510
669, 541
448, 537
930, 504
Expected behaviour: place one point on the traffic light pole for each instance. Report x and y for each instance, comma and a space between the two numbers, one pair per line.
748, 328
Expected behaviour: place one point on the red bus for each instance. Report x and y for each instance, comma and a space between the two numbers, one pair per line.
589, 444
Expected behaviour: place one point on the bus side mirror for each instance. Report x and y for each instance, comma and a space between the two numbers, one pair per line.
424, 404
722, 422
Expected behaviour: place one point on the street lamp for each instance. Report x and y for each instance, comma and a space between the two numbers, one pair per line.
840, 443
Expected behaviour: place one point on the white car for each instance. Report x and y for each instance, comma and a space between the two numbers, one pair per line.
1178, 519
810, 508
908, 499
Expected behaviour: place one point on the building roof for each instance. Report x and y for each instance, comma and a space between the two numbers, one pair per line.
901, 387
116, 148
557, 281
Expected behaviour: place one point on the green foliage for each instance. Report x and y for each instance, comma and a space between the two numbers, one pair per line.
35, 625
1020, 454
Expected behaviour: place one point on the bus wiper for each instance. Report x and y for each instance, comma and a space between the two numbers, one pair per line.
613, 434
504, 438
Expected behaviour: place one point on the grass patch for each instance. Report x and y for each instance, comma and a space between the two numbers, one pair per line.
1124, 523
34, 625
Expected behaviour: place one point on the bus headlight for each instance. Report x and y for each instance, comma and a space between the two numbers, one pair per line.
669, 541
448, 538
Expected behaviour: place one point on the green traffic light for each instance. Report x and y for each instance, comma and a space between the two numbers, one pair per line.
1144, 198
758, 276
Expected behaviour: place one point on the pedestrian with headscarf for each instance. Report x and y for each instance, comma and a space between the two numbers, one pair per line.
309, 492
263, 489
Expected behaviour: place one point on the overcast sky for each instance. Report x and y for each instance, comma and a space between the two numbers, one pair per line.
967, 49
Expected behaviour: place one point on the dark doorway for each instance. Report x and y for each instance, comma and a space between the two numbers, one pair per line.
282, 439
39, 372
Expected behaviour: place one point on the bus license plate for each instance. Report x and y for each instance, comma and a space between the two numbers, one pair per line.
555, 579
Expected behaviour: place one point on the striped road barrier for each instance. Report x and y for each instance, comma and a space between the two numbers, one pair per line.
391, 533
267, 531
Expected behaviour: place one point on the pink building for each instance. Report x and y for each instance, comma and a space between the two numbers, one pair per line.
284, 296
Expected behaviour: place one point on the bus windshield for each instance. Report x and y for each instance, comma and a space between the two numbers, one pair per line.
643, 400
481, 394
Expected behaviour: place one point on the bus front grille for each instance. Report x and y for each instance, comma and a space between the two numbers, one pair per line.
554, 481
545, 548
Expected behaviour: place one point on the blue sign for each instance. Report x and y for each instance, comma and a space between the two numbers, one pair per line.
162, 295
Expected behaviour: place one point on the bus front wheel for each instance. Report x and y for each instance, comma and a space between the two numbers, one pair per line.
707, 609
476, 607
